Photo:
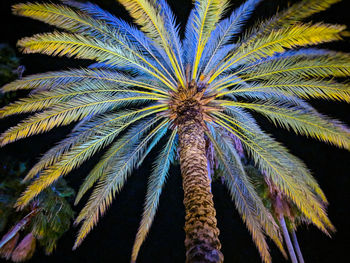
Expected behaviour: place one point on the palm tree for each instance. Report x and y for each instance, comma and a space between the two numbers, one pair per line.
196, 94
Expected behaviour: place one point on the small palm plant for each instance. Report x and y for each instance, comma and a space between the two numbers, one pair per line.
196, 94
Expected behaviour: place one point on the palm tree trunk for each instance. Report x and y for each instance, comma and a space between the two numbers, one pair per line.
289, 245
202, 235
297, 247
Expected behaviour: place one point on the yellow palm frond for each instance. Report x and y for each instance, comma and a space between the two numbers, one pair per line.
147, 16
65, 114
81, 133
111, 182
299, 68
108, 157
306, 89
207, 14
77, 155
296, 13
248, 203
76, 22
275, 161
62, 79
154, 189
303, 121
280, 40
78, 46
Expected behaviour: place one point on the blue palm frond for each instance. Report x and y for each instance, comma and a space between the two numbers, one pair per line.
218, 45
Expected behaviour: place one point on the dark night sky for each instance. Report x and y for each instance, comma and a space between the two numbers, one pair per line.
112, 239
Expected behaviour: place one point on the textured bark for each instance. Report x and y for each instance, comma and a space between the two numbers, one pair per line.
202, 235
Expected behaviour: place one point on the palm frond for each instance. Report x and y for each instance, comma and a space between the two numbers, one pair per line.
64, 17
280, 40
332, 64
77, 155
111, 182
154, 188
47, 99
295, 13
138, 38
172, 29
147, 16
305, 89
79, 46
82, 132
248, 203
304, 121
218, 45
109, 157
76, 22
64, 114
298, 67
281, 170
252, 130
62, 79
202, 22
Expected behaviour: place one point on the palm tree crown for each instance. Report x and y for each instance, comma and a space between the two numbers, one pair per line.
148, 84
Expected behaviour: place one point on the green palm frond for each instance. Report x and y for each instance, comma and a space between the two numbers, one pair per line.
79, 153
305, 121
83, 130
273, 159
280, 40
154, 188
145, 82
109, 158
127, 152
62, 79
67, 113
306, 89
248, 203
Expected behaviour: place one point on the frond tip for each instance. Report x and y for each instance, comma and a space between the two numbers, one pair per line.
144, 82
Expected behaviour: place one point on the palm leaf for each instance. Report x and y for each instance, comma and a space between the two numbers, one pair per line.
248, 203
306, 89
281, 170
76, 156
78, 46
62, 79
298, 67
48, 99
147, 16
76, 22
143, 43
303, 121
154, 189
296, 13
109, 158
205, 15
280, 40
218, 44
82, 132
64, 114
112, 181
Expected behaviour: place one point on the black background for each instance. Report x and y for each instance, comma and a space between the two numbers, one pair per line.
112, 239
